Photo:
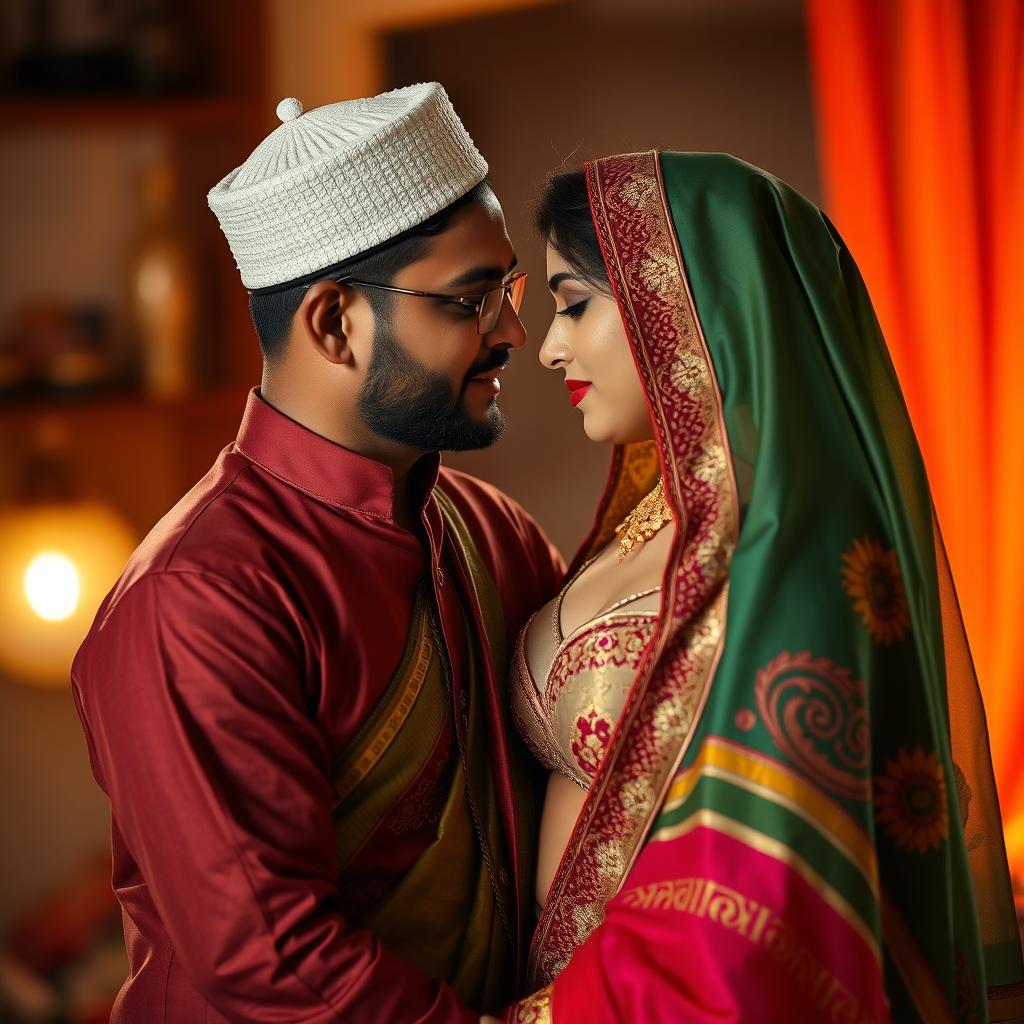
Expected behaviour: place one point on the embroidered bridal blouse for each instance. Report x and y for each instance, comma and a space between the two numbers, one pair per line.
567, 717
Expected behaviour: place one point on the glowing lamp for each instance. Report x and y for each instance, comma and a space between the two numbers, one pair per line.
57, 562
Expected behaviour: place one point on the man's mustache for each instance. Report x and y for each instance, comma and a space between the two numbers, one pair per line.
498, 361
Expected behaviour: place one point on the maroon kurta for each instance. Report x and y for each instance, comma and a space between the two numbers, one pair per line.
252, 632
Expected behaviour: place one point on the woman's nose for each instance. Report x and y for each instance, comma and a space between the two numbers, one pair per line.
555, 351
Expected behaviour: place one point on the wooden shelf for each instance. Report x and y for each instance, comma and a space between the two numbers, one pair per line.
137, 454
16, 412
171, 113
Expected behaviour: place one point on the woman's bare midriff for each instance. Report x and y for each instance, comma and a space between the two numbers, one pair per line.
603, 583
562, 805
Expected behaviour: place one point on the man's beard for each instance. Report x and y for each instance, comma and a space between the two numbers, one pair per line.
403, 401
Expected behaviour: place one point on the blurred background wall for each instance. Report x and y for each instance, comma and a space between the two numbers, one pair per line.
103, 173
545, 90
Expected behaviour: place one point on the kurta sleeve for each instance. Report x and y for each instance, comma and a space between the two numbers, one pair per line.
204, 738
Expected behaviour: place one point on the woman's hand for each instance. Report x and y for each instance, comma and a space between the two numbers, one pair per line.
489, 1020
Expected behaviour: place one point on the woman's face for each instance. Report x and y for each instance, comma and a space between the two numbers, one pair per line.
587, 341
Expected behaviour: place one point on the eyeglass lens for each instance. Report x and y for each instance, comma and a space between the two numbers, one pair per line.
490, 305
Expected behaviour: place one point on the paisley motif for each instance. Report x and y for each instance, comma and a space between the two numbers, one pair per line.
816, 714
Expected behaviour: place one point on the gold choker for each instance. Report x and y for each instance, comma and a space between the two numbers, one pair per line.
644, 521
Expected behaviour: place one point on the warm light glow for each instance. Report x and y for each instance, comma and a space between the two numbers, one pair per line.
52, 586
57, 561
154, 282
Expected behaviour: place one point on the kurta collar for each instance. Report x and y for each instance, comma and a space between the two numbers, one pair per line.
323, 469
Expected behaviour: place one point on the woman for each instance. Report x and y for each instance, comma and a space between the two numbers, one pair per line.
771, 797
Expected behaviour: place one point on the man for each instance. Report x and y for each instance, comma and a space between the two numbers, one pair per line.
294, 695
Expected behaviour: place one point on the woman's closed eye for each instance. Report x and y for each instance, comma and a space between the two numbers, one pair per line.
575, 311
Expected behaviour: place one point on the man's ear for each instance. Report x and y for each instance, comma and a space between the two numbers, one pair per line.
325, 318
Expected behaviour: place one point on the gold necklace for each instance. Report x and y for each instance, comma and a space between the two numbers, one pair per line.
644, 521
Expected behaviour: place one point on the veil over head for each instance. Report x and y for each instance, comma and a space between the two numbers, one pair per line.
796, 817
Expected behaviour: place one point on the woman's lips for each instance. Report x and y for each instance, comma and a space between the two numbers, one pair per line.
579, 389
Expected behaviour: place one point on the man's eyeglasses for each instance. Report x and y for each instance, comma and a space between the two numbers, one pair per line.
487, 306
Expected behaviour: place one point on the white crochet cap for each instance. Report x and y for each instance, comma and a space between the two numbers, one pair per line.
335, 181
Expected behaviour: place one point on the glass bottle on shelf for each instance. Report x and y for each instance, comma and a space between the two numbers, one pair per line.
162, 286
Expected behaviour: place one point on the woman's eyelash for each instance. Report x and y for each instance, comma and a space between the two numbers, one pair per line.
575, 311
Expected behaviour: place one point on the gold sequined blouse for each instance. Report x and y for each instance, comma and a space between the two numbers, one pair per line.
567, 718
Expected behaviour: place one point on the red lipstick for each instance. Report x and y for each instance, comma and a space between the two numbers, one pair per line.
579, 389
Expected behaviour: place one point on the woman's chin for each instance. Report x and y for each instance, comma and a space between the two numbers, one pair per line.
596, 431
605, 433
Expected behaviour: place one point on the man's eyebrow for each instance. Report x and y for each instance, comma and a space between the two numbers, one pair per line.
556, 279
482, 274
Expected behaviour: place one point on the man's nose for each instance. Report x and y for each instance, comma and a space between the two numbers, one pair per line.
509, 330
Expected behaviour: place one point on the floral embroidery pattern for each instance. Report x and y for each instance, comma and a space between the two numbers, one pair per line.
963, 795
590, 740
639, 244
910, 800
598, 648
871, 576
968, 1009
535, 1009
422, 807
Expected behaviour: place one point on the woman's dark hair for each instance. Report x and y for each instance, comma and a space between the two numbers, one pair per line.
273, 310
563, 218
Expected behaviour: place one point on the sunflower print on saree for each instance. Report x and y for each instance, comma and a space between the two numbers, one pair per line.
872, 579
910, 800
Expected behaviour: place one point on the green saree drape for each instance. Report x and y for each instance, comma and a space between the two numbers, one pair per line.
796, 818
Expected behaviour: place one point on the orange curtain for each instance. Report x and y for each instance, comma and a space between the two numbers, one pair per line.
921, 135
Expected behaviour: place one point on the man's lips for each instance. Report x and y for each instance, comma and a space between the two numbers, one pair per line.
489, 377
579, 389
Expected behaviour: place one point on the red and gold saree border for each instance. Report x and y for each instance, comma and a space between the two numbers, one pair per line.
648, 279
